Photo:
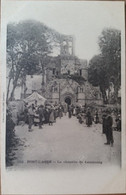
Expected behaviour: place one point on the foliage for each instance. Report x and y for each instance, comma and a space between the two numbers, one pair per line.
29, 43
97, 74
105, 68
110, 46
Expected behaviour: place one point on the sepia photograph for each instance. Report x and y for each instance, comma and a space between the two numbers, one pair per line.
63, 98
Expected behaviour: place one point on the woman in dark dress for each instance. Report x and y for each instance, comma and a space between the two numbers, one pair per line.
88, 118
96, 117
69, 111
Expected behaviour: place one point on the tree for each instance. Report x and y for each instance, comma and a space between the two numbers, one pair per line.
105, 68
110, 46
97, 75
11, 53
28, 44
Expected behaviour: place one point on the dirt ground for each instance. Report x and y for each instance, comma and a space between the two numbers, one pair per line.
65, 144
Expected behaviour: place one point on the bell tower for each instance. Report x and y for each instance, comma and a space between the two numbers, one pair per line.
67, 46
67, 55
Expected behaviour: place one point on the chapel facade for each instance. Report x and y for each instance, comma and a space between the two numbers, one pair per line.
61, 79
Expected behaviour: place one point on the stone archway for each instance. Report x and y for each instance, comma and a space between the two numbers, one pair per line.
68, 100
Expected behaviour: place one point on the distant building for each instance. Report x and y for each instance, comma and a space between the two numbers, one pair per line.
58, 84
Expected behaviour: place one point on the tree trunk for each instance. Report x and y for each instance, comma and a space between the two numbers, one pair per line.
10, 77
12, 92
42, 66
8, 88
105, 100
15, 85
25, 88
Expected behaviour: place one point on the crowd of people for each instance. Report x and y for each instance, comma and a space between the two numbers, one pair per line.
43, 114
110, 119
48, 114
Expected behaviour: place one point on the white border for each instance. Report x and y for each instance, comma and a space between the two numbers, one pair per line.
60, 182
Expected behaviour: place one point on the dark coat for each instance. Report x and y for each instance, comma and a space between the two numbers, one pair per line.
104, 122
109, 122
109, 132
88, 119
46, 115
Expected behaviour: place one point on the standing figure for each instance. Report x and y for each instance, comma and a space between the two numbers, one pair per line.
80, 118
65, 109
51, 117
69, 111
72, 109
118, 122
55, 115
104, 122
96, 117
41, 116
113, 115
46, 115
30, 118
33, 107
109, 131
88, 118
60, 112
74, 112
77, 110
26, 114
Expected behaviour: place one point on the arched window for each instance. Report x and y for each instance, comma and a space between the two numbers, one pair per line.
55, 89
54, 70
80, 72
81, 90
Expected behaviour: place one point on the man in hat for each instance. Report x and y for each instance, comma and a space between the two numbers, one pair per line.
109, 132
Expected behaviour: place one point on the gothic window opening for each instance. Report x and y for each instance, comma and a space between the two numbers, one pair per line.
55, 89
54, 71
80, 72
81, 90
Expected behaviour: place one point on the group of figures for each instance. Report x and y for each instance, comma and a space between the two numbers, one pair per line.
110, 119
110, 123
48, 114
43, 114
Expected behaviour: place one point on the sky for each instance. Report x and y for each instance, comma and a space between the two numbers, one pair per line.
81, 19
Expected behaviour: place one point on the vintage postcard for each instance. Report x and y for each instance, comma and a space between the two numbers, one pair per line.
63, 97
